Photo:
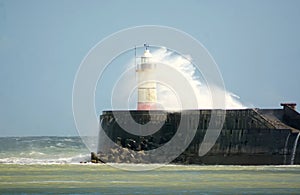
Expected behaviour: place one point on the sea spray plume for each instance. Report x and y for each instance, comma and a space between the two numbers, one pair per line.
126, 88
182, 64
167, 98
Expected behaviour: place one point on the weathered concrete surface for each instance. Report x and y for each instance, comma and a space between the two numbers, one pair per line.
248, 137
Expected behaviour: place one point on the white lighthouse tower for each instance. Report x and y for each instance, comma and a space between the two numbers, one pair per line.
147, 97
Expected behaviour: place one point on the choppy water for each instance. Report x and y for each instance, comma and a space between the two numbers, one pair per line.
42, 150
50, 165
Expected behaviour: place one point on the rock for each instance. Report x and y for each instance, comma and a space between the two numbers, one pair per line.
114, 151
125, 151
104, 158
94, 156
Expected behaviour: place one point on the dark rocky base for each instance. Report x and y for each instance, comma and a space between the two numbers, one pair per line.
124, 155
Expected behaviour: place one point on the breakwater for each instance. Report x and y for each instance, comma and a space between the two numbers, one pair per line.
247, 137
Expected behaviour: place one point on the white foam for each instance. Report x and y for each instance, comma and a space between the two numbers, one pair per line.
59, 160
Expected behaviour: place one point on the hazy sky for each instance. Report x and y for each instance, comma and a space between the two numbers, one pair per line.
255, 43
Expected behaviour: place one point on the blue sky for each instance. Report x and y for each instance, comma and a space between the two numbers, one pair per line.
255, 43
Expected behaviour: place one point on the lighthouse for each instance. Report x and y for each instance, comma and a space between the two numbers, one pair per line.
147, 96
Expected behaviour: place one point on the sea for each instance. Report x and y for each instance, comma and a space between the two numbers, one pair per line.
61, 165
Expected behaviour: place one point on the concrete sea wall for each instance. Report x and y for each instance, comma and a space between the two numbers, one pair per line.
248, 137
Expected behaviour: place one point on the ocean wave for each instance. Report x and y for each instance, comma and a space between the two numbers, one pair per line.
60, 160
32, 153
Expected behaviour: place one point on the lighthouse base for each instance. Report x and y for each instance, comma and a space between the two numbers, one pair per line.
147, 106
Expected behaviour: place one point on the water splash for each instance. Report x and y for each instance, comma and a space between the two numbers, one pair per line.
285, 148
202, 91
294, 149
167, 98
